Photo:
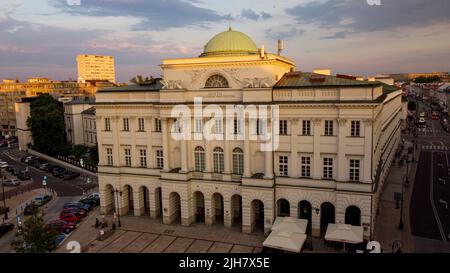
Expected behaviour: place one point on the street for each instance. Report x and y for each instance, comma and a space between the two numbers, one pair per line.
429, 209
66, 191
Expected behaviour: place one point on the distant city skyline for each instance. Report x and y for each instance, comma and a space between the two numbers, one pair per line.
43, 38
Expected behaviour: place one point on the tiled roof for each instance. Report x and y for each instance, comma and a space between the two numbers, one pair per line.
90, 111
307, 79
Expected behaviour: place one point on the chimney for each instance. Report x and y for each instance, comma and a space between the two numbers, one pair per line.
280, 46
262, 52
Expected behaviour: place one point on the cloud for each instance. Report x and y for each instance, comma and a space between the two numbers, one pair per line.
358, 16
337, 35
154, 14
284, 35
9, 7
253, 15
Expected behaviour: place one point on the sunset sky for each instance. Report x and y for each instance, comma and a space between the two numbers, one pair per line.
43, 37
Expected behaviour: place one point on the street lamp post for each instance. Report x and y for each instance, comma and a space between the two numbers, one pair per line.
117, 207
4, 197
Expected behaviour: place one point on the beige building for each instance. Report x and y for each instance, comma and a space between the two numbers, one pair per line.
337, 138
22, 113
89, 127
93, 67
74, 119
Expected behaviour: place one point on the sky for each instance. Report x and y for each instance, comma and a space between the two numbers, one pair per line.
43, 37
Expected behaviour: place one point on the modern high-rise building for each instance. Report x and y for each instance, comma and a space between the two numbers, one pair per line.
96, 68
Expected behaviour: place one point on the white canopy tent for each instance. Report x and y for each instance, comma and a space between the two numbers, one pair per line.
290, 224
344, 233
288, 234
285, 240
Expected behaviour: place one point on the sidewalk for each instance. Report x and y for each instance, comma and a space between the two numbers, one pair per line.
18, 203
387, 226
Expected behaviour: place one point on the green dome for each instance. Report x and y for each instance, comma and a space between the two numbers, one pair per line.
230, 43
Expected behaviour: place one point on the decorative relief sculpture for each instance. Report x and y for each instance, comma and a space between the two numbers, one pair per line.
257, 83
172, 84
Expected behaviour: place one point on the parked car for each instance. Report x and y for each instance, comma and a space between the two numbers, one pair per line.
56, 171
3, 164
43, 166
23, 176
10, 168
422, 122
70, 175
70, 217
90, 201
78, 205
5, 228
12, 182
61, 226
26, 159
30, 208
60, 239
94, 195
81, 213
41, 200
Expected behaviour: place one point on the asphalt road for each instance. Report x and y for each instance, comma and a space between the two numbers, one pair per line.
430, 202
74, 187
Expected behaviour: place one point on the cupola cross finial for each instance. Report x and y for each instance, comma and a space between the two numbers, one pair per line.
229, 25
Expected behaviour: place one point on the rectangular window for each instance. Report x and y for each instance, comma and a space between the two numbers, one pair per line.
306, 166
198, 125
283, 165
356, 128
128, 157
219, 126
143, 158
260, 127
126, 124
157, 125
283, 127
107, 124
306, 128
328, 168
109, 156
328, 127
354, 170
141, 124
159, 159
237, 126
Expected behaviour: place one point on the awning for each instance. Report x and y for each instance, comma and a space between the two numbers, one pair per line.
285, 240
290, 224
344, 233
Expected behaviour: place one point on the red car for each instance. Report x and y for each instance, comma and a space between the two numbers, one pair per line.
60, 226
70, 217
78, 212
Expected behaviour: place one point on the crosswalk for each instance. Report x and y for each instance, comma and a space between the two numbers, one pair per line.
435, 147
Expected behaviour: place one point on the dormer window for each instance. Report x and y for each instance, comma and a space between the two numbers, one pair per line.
216, 81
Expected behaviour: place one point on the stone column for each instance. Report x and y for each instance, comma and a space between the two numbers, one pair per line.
165, 140
247, 155
247, 218
209, 210
227, 152
133, 150
228, 217
268, 160
115, 134
315, 225
294, 166
138, 203
368, 152
317, 164
342, 162
150, 157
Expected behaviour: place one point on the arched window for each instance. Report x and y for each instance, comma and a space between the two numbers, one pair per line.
216, 81
199, 155
218, 160
238, 161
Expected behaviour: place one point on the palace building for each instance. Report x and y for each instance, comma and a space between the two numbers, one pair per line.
336, 142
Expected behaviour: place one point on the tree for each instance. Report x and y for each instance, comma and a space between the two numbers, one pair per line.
32, 237
46, 123
78, 151
412, 106
141, 80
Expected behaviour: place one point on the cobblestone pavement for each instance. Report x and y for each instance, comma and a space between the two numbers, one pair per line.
144, 235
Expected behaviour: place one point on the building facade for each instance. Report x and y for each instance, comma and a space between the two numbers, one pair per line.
94, 67
89, 127
74, 119
336, 138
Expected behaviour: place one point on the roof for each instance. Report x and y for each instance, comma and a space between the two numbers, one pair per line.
84, 100
90, 111
230, 42
299, 79
154, 86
